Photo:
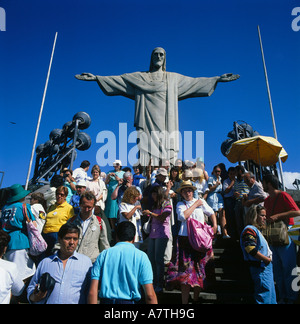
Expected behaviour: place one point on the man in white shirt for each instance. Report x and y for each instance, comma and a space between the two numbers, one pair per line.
256, 195
10, 283
80, 174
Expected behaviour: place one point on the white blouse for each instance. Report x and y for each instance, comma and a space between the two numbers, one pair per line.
197, 214
135, 220
97, 188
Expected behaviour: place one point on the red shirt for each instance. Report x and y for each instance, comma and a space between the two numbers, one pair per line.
284, 203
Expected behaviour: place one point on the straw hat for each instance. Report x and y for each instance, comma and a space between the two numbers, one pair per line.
184, 185
197, 173
188, 173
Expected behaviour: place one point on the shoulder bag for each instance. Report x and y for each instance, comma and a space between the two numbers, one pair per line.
37, 243
200, 235
147, 226
276, 233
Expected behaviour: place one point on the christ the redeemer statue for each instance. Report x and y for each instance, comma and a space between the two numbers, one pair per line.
156, 94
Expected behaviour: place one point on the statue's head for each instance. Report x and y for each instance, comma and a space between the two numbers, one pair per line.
158, 59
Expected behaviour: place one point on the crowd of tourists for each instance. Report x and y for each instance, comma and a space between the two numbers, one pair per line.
121, 237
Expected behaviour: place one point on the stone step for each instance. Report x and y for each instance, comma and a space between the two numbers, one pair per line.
226, 297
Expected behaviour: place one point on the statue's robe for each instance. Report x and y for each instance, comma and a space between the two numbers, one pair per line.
156, 107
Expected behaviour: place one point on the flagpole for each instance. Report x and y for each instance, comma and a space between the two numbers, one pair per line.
40, 115
270, 102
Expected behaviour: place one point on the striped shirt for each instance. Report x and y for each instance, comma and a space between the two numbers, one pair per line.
241, 187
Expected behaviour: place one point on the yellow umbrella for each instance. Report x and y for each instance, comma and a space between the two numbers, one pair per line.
263, 150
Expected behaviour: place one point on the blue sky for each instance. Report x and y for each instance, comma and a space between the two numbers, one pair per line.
201, 38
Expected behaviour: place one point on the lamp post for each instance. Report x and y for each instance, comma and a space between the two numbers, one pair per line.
270, 102
40, 115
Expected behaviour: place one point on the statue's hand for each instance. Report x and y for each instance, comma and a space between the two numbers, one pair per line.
227, 77
86, 77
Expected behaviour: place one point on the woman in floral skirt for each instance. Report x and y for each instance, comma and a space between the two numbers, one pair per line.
188, 267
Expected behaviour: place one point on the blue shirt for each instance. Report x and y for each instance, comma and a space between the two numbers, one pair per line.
113, 182
14, 223
121, 270
71, 192
75, 201
72, 283
211, 182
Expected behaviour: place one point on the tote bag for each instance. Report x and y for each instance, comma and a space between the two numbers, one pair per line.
200, 235
37, 243
147, 226
276, 233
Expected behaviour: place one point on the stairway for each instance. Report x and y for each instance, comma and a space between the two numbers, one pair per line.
233, 284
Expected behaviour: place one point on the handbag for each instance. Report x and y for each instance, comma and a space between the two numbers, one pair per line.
46, 284
147, 226
37, 243
200, 235
276, 234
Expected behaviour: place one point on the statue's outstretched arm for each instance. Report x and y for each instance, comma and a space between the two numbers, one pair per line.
86, 77
228, 77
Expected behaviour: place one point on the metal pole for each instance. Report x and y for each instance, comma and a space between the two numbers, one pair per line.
270, 102
1, 178
74, 143
40, 115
